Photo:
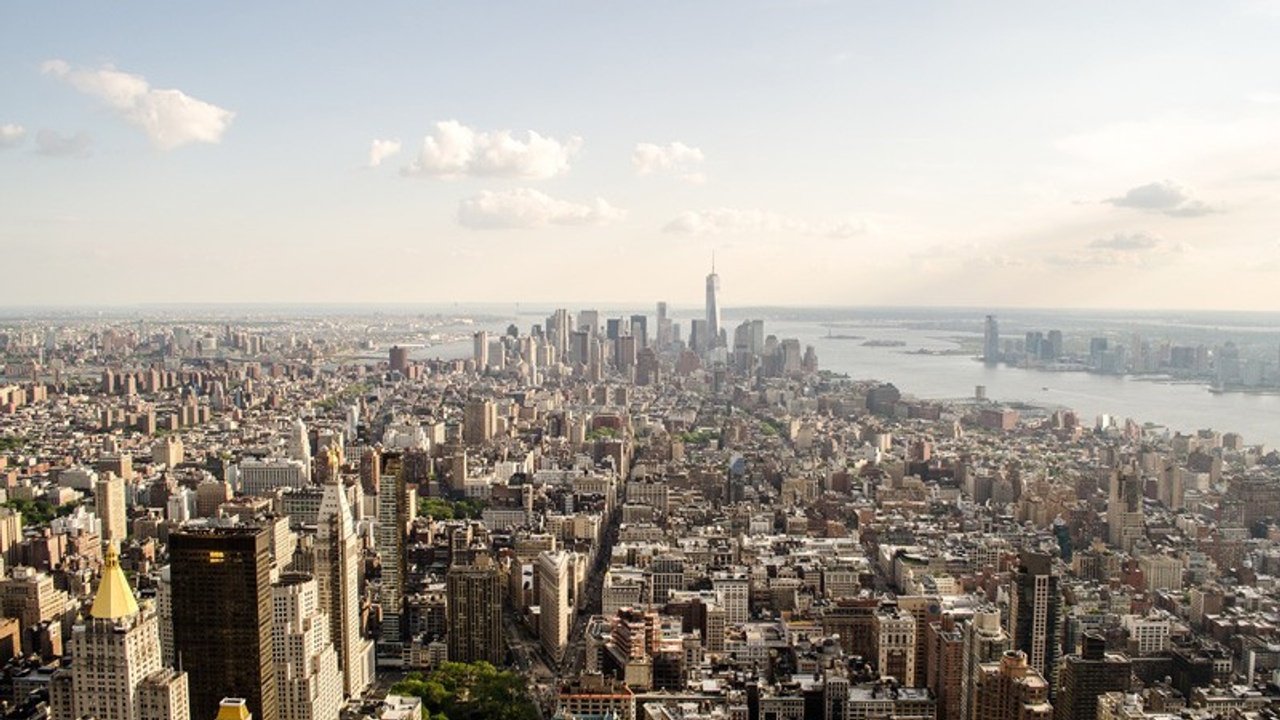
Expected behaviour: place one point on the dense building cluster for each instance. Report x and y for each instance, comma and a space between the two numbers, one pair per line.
258, 519
1226, 367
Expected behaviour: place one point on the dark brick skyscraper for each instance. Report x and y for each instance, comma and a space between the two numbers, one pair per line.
1088, 675
222, 617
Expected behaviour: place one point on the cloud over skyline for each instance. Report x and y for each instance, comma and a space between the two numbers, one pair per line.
170, 118
829, 142
528, 208
1165, 197
717, 220
678, 159
721, 220
1137, 249
454, 150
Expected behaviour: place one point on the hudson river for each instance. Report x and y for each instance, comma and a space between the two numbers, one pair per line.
1178, 407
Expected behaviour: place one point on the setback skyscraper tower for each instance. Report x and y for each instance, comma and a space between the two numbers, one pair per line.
713, 307
307, 675
338, 583
116, 670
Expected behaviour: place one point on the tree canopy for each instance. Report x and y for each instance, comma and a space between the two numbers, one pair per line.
469, 691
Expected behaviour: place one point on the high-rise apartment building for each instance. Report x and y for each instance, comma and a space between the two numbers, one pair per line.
1088, 675
733, 590
222, 616
308, 681
699, 337
944, 663
663, 335
30, 596
393, 519
167, 451
1035, 611
10, 536
337, 570
1125, 520
117, 671
991, 341
398, 359
109, 506
164, 616
895, 634
370, 470
474, 597
1011, 690
480, 350
924, 609
640, 330
479, 421
624, 354
559, 325
589, 322
300, 446
985, 641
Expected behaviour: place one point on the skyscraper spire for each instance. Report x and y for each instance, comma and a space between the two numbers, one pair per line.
713, 306
114, 599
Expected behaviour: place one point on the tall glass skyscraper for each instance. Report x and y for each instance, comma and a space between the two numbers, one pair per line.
713, 307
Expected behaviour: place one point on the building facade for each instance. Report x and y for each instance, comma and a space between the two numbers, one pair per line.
222, 615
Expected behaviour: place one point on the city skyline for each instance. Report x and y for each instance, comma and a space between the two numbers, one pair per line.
626, 523
829, 154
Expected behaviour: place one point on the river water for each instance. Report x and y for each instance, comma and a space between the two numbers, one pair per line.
1177, 407
1180, 407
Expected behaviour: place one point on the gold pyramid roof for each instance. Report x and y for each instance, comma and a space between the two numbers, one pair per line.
114, 599
233, 709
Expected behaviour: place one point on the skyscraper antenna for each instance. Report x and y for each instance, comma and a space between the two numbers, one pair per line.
713, 262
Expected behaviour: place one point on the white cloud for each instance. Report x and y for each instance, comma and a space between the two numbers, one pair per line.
381, 150
676, 157
528, 208
11, 135
455, 150
1165, 197
1123, 249
714, 221
998, 260
719, 220
169, 117
849, 229
51, 144
1132, 242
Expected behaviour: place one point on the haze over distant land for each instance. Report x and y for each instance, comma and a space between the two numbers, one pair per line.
834, 154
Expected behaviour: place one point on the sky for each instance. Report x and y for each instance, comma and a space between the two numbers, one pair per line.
977, 154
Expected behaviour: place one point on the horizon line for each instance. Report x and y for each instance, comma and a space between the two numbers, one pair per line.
14, 309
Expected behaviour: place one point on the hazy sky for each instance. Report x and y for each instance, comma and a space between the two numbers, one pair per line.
1099, 154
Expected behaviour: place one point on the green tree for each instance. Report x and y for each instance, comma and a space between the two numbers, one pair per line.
436, 508
469, 691
12, 442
